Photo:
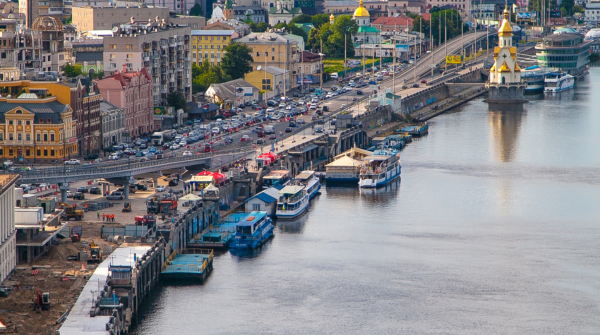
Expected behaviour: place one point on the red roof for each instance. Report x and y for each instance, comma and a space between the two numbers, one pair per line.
125, 77
218, 176
426, 16
399, 21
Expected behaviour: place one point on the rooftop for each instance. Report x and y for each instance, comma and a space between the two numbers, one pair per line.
212, 32
7, 180
263, 38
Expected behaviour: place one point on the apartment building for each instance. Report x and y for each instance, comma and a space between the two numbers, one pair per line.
107, 18
36, 128
241, 28
113, 124
271, 79
271, 49
162, 50
209, 44
41, 48
592, 12
8, 233
133, 92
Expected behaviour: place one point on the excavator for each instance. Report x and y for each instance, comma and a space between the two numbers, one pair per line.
95, 254
41, 302
70, 212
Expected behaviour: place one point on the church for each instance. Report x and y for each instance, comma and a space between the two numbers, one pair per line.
505, 75
365, 34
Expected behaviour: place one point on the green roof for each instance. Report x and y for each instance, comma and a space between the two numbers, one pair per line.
367, 30
305, 26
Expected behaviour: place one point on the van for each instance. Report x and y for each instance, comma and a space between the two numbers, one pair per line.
269, 129
334, 75
216, 130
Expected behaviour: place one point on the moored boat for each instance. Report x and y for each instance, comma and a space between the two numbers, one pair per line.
310, 181
345, 167
188, 265
558, 81
416, 130
277, 177
533, 77
380, 168
293, 201
251, 232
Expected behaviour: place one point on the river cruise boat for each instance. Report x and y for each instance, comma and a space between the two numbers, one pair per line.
277, 177
253, 231
533, 77
558, 81
310, 181
416, 130
293, 202
380, 168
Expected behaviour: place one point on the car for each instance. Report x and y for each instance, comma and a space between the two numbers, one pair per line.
174, 146
69, 194
173, 182
245, 138
424, 81
314, 117
272, 137
95, 190
152, 149
320, 121
292, 124
187, 154
325, 108
355, 99
139, 154
159, 156
260, 141
301, 102
83, 189
415, 85
91, 157
359, 92
333, 122
319, 129
288, 129
300, 121
296, 95
207, 148
78, 196
115, 195
314, 106
113, 157
143, 159
72, 162
282, 105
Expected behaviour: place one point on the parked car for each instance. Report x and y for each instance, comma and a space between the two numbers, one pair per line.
95, 190
115, 195
91, 157
173, 182
78, 196
160, 188
72, 162
141, 187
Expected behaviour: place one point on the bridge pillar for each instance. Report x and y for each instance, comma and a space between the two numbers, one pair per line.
63, 187
155, 180
126, 187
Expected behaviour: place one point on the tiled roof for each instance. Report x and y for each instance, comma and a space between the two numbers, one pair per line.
50, 110
401, 20
227, 90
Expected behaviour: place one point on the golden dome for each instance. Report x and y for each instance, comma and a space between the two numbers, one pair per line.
505, 28
361, 10
504, 68
331, 18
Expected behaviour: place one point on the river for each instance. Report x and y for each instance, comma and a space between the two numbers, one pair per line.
493, 229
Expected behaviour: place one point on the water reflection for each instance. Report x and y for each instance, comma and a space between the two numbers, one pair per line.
295, 226
505, 122
381, 194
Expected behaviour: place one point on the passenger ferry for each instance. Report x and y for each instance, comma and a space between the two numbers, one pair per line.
558, 82
310, 182
380, 168
295, 197
533, 78
251, 232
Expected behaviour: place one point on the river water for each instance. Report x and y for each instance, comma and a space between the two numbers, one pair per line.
493, 229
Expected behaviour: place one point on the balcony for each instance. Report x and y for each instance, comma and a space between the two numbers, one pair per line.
172, 45
146, 59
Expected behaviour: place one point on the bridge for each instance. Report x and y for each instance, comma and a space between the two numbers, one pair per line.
124, 170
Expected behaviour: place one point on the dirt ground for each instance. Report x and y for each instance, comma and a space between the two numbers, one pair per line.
64, 280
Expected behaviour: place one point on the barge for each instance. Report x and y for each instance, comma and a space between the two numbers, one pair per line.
188, 265
416, 130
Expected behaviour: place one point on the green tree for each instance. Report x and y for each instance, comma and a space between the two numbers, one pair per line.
72, 70
237, 59
319, 20
302, 18
196, 10
578, 9
420, 23
568, 6
177, 100
69, 19
205, 75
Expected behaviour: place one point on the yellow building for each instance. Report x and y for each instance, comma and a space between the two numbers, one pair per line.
36, 129
209, 44
270, 79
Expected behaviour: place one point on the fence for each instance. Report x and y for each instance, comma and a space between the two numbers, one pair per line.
129, 230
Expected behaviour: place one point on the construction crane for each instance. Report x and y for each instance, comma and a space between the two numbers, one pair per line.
41, 302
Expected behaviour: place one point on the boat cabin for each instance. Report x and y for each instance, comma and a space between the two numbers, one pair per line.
277, 177
289, 197
250, 224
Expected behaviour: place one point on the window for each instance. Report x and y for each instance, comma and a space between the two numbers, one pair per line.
28, 137
273, 58
52, 137
1, 136
28, 123
113, 65
257, 54
19, 137
51, 152
113, 46
10, 136
218, 38
129, 46
224, 38
28, 152
45, 137
45, 152
18, 122
39, 137
38, 153
129, 55
256, 207
10, 122
113, 56
10, 152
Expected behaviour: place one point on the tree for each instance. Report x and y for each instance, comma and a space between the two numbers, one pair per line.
422, 24
237, 59
196, 10
69, 19
568, 6
302, 18
205, 75
72, 70
319, 20
177, 100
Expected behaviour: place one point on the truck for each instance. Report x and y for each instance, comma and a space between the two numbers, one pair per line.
160, 137
95, 255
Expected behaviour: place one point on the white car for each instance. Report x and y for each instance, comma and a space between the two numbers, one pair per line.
160, 188
300, 121
282, 105
72, 162
301, 102
112, 157
174, 147
314, 106
269, 110
329, 96
187, 153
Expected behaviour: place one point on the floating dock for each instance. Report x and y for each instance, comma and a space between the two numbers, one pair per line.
188, 265
218, 236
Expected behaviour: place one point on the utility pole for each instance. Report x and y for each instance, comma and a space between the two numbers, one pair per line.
364, 60
431, 42
345, 48
462, 34
446, 39
321, 83
394, 63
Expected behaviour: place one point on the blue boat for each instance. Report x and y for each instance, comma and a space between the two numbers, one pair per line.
533, 77
251, 232
416, 130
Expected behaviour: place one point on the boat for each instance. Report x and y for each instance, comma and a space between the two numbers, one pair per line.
293, 201
345, 167
188, 264
253, 231
310, 181
277, 177
557, 81
380, 168
533, 78
416, 130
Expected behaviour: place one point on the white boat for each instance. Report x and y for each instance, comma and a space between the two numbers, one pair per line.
533, 77
295, 197
558, 82
380, 168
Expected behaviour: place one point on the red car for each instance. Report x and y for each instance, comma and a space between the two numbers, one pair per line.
245, 138
272, 137
207, 148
